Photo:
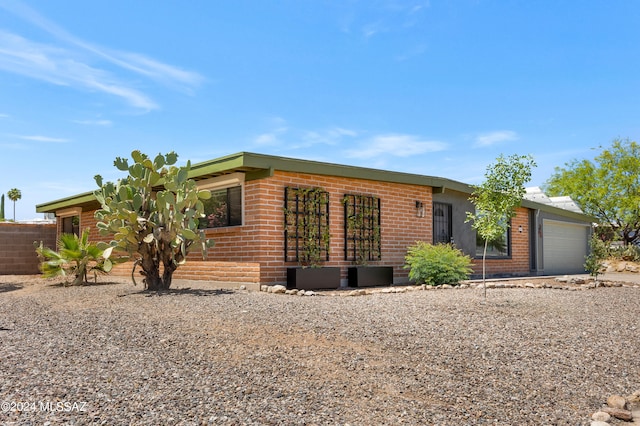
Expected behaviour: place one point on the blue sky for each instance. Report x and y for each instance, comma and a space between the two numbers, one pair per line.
433, 87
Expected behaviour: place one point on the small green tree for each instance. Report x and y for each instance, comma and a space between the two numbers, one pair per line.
2, 207
497, 198
437, 264
14, 195
607, 188
598, 253
153, 215
77, 257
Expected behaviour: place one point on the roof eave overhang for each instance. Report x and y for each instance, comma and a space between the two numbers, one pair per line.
84, 200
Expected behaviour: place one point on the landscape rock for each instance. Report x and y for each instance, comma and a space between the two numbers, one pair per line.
278, 289
634, 398
619, 413
599, 423
601, 416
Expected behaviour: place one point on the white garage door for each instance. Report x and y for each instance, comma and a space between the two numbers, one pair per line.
565, 245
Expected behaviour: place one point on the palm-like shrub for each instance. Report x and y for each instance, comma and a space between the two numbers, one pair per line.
77, 257
437, 264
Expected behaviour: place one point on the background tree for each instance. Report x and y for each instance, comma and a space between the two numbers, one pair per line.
2, 207
607, 188
153, 214
497, 198
14, 195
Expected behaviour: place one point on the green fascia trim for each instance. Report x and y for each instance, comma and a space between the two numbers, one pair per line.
269, 163
219, 165
63, 203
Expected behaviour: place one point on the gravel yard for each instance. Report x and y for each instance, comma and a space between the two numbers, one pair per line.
111, 354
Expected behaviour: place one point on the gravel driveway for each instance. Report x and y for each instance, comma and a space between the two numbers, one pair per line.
109, 354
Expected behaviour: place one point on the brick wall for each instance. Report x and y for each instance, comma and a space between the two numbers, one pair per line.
17, 253
254, 252
261, 239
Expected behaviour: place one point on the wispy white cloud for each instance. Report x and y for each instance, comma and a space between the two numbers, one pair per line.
75, 65
273, 137
373, 28
103, 123
397, 145
284, 136
4, 115
267, 139
331, 136
412, 52
496, 137
39, 138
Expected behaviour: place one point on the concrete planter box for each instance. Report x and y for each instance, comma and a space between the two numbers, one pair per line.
370, 276
313, 278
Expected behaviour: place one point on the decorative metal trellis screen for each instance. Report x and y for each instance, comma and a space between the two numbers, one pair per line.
442, 229
362, 241
306, 225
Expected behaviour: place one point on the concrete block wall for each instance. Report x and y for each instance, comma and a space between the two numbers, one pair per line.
17, 253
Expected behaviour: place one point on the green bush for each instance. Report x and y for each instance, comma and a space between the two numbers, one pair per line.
437, 264
597, 255
629, 253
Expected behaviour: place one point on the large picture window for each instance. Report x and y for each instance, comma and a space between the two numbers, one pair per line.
224, 208
501, 247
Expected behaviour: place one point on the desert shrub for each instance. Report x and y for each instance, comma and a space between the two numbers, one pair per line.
597, 255
630, 253
437, 264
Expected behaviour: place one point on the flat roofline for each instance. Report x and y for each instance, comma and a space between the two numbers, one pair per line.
261, 165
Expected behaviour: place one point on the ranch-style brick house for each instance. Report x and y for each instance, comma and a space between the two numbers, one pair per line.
247, 221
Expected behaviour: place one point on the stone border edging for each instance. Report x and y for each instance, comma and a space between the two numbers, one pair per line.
559, 283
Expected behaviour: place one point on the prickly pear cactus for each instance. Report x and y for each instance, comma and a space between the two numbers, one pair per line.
153, 214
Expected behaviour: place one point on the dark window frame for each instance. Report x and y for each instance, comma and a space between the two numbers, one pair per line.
71, 225
480, 247
233, 214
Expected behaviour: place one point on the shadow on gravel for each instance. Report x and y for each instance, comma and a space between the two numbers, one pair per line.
181, 292
7, 287
87, 284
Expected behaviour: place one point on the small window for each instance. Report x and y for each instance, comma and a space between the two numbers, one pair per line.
224, 208
71, 225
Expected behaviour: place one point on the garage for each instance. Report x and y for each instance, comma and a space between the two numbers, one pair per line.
565, 246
